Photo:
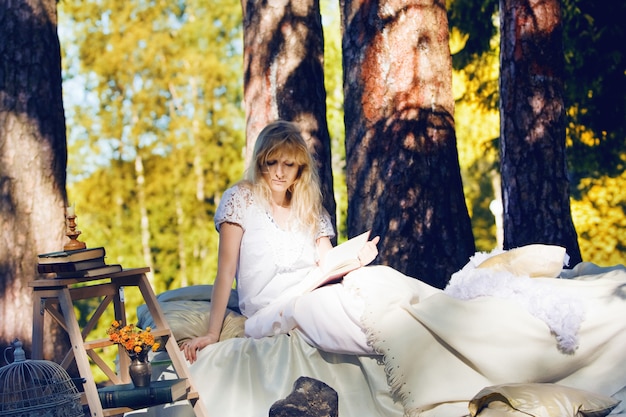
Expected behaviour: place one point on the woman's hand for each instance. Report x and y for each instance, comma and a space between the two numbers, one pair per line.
191, 347
369, 251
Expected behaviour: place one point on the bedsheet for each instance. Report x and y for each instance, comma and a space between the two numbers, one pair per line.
244, 377
437, 351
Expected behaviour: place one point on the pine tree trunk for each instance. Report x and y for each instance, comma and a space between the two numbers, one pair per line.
284, 77
535, 185
403, 172
33, 159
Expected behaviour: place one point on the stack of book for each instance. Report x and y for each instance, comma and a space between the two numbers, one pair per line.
78, 263
127, 395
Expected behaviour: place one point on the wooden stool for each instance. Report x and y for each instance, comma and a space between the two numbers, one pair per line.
56, 296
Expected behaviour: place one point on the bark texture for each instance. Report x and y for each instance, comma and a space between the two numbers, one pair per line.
284, 77
535, 186
33, 158
403, 173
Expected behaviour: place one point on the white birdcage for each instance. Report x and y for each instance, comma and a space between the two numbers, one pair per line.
30, 388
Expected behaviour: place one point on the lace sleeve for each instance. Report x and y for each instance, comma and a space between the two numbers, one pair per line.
233, 206
325, 226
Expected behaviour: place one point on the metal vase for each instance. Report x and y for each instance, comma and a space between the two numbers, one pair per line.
140, 372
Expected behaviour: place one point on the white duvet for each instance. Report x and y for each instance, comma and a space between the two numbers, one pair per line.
437, 350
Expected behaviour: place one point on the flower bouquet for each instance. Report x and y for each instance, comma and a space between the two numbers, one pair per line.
137, 343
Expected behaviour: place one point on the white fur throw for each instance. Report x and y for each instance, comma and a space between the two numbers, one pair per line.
563, 313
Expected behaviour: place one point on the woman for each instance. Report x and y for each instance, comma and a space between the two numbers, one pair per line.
274, 234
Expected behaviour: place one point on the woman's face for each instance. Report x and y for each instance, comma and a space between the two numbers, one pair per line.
280, 172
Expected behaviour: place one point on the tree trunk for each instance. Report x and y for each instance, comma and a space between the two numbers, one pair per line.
33, 159
284, 77
403, 172
140, 184
535, 187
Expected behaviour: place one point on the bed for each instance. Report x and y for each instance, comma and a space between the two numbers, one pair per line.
513, 334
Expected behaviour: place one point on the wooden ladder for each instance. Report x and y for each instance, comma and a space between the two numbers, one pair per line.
57, 296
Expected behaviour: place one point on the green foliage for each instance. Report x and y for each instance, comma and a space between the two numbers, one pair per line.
595, 87
475, 19
600, 219
477, 130
157, 134
163, 86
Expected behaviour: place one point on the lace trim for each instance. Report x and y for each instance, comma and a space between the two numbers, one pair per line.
235, 201
287, 245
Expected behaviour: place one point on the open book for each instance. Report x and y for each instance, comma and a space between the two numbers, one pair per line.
341, 259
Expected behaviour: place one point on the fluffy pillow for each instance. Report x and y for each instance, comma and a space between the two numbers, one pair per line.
187, 312
188, 319
531, 260
539, 400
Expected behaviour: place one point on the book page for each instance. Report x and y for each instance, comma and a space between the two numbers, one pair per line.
345, 253
340, 260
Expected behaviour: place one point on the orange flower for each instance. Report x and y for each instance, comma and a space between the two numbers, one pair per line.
135, 340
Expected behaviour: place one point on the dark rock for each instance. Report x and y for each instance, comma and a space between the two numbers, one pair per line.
309, 398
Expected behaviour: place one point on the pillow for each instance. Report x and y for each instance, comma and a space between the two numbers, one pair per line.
188, 319
187, 312
233, 326
196, 293
539, 400
531, 260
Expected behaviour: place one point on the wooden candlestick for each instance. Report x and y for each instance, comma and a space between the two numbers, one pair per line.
73, 234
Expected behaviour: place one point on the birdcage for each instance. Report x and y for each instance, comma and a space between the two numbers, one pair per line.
30, 388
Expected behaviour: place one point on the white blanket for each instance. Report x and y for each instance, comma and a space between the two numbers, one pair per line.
438, 351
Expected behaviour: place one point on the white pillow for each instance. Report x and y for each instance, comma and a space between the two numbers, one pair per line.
531, 260
539, 400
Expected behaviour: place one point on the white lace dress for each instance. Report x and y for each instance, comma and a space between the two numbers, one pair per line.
275, 266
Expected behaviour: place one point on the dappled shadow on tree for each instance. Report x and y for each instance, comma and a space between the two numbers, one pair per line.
409, 187
287, 38
302, 99
535, 185
20, 98
284, 77
32, 162
402, 164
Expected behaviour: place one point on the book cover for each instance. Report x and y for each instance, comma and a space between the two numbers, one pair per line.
127, 395
71, 256
71, 266
341, 260
88, 273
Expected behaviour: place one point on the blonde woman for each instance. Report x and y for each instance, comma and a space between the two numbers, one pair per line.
274, 234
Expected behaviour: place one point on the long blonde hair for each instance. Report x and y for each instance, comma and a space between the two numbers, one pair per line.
282, 138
